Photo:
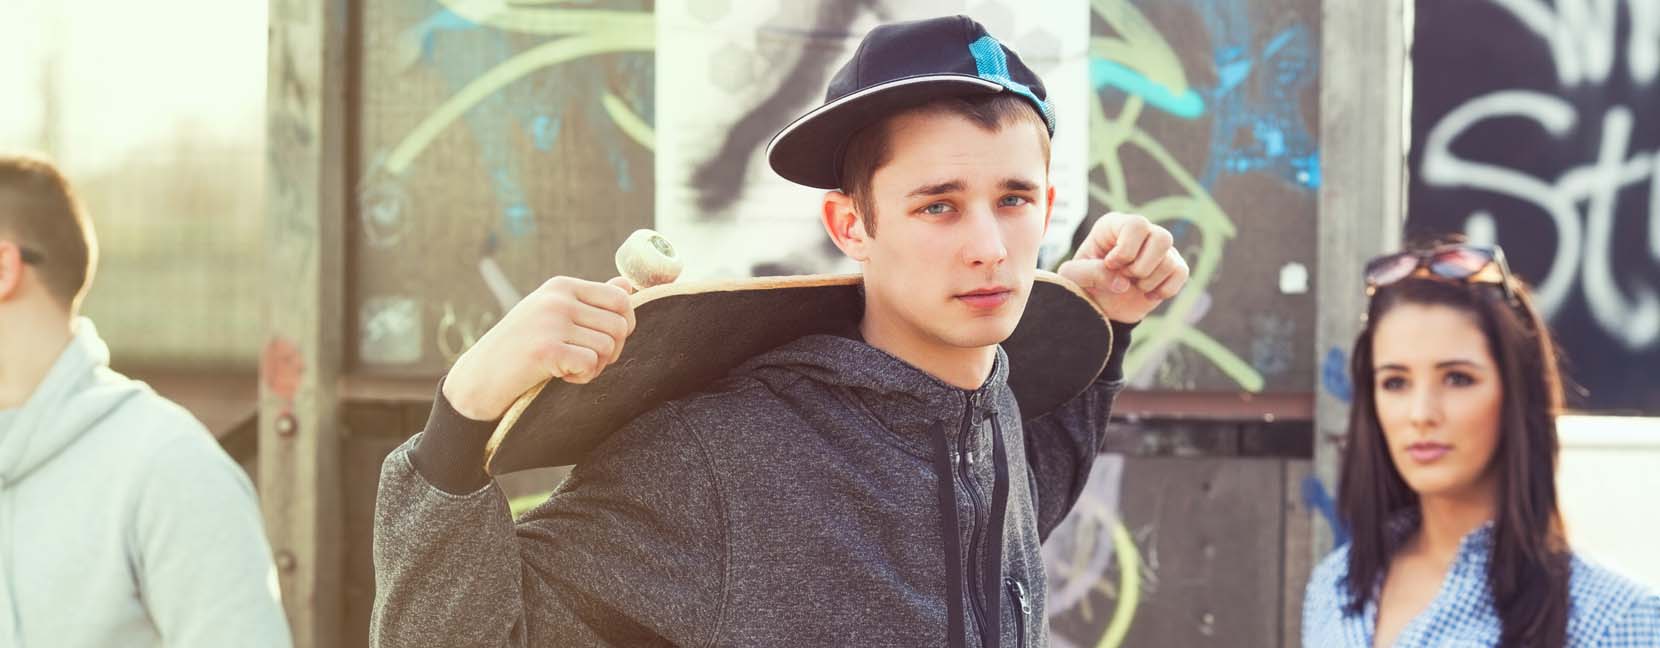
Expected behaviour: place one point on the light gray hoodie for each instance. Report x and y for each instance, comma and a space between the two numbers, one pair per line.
123, 523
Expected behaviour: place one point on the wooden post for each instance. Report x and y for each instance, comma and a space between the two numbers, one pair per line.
1363, 118
304, 285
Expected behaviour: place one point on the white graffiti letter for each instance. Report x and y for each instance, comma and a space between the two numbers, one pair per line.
1654, 209
1643, 52
1635, 326
1580, 33
1442, 168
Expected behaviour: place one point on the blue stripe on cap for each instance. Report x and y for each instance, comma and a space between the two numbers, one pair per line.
992, 65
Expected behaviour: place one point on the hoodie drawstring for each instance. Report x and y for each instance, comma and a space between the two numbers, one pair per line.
953, 539
992, 569
992, 572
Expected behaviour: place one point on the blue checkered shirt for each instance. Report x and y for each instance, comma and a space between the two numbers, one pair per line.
1606, 610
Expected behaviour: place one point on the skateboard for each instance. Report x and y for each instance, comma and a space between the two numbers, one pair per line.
688, 335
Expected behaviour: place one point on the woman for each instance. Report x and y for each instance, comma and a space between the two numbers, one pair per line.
1449, 477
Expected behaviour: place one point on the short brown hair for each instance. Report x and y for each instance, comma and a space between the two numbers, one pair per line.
39, 211
868, 149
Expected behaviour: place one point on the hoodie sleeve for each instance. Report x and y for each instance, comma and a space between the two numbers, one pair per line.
200, 555
631, 547
1061, 445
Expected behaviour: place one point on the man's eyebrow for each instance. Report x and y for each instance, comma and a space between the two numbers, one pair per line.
936, 189
1019, 184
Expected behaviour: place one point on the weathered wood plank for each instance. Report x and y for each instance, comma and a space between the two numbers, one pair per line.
1362, 200
1297, 560
1214, 527
299, 458
1209, 541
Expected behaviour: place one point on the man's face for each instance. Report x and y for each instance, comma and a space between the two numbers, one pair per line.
960, 214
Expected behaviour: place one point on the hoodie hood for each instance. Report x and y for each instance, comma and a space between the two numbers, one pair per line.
77, 392
904, 398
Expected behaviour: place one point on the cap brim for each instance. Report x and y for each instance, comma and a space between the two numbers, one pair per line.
808, 151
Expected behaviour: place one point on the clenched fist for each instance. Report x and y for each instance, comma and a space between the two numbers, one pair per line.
1128, 266
568, 328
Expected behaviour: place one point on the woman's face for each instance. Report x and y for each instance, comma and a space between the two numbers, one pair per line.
1438, 399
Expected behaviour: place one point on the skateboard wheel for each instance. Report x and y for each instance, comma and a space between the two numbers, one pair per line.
647, 259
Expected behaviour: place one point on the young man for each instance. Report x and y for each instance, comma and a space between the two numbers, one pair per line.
878, 488
122, 522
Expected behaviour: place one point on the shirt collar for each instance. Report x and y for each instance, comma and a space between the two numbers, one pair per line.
1472, 549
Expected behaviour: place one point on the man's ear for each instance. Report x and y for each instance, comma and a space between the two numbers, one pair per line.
846, 229
1048, 208
11, 270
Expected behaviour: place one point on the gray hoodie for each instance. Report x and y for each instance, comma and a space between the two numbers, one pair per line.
826, 494
122, 522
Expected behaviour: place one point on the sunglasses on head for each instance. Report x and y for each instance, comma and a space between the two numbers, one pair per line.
1458, 263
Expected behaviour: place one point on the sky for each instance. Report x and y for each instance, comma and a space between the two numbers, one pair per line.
131, 73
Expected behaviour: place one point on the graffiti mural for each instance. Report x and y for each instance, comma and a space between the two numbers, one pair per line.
504, 143
500, 144
1204, 119
737, 73
1542, 133
1205, 122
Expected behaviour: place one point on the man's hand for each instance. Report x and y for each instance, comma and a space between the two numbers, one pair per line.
568, 328
1127, 265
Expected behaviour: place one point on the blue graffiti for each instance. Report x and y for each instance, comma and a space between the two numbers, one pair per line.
1258, 124
1334, 375
1315, 498
460, 51
544, 131
533, 109
444, 20
1108, 74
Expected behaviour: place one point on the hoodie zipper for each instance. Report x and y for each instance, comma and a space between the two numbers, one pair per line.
1017, 591
974, 594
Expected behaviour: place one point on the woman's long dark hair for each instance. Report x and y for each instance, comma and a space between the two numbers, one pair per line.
1529, 569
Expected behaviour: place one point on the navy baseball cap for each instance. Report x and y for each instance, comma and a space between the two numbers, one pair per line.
897, 66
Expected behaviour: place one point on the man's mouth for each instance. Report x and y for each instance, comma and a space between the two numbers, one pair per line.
986, 298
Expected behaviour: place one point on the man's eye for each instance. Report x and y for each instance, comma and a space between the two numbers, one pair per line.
1014, 201
936, 209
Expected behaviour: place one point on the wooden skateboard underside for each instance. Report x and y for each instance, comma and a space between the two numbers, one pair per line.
689, 335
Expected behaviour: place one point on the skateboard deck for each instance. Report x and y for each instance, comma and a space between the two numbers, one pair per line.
688, 335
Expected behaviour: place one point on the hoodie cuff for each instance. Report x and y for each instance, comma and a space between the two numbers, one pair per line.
450, 453
1120, 343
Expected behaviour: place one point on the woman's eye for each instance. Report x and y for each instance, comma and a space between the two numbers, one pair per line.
1393, 383
1460, 379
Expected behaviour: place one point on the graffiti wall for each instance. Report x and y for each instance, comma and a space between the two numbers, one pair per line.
1204, 117
504, 144
1206, 120
732, 75
499, 145
1541, 132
